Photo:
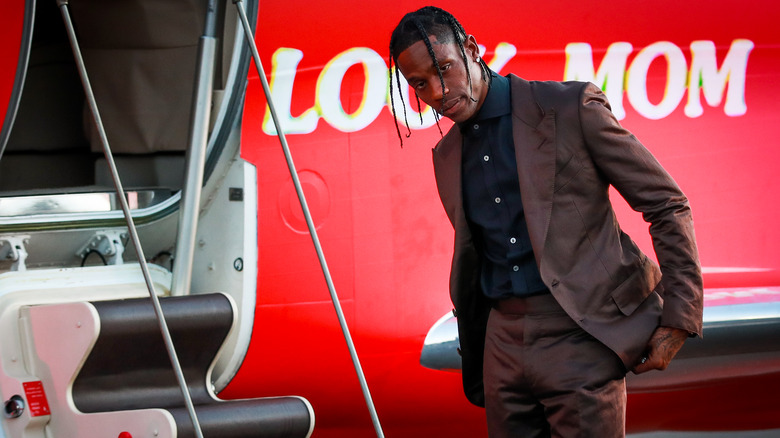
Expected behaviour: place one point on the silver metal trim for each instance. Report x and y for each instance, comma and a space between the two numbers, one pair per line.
35, 222
196, 159
440, 348
85, 202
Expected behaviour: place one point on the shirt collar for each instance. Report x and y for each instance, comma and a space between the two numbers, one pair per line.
497, 102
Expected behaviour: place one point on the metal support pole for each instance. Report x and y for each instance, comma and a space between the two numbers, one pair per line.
309, 221
189, 207
63, 4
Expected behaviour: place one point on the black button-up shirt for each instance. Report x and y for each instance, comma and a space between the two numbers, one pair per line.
491, 196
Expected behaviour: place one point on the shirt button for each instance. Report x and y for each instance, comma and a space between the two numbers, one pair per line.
515, 268
512, 240
486, 158
498, 200
476, 127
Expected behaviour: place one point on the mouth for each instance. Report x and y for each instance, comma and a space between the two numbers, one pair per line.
449, 107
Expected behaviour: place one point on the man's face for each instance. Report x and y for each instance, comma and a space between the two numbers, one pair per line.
456, 101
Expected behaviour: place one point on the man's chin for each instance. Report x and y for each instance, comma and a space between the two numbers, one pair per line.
453, 110
460, 112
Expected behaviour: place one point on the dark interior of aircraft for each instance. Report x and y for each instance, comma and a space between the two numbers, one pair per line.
140, 58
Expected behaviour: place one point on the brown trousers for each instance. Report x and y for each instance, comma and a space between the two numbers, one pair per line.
546, 377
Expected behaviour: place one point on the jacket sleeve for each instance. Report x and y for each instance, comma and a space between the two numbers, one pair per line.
638, 176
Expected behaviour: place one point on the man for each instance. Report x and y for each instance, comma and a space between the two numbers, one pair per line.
554, 302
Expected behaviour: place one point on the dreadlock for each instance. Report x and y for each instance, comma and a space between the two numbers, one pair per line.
418, 26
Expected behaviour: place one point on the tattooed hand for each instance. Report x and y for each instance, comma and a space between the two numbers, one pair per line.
663, 345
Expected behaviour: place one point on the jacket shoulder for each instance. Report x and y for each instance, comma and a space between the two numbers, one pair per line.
531, 100
555, 93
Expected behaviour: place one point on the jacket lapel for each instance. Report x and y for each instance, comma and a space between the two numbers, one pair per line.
533, 132
447, 165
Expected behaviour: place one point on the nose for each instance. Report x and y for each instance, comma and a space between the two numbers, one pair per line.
440, 93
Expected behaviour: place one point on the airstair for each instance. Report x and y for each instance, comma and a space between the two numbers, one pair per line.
128, 349
98, 367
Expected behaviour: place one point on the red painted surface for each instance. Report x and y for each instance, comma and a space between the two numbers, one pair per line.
388, 241
745, 403
10, 42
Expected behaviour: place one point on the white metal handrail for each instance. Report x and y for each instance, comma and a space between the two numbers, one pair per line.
63, 5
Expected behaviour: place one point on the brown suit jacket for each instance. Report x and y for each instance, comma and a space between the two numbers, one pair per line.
570, 149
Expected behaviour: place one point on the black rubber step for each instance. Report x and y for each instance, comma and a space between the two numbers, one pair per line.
259, 418
129, 368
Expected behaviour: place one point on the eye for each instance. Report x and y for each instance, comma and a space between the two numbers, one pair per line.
419, 85
445, 67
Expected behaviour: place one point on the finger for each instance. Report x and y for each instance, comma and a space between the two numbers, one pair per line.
644, 365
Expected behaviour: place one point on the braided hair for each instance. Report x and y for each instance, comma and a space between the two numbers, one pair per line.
418, 26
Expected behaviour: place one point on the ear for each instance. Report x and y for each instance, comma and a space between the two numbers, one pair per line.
471, 47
